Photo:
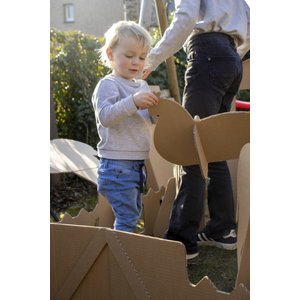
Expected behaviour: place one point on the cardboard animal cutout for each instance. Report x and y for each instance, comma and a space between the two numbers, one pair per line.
184, 141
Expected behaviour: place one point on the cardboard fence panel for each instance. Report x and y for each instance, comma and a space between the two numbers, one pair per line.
151, 204
102, 215
243, 209
233, 164
157, 208
245, 83
100, 263
164, 212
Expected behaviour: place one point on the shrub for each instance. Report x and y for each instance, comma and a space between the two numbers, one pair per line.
75, 71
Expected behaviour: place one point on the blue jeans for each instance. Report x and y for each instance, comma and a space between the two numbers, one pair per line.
121, 182
212, 78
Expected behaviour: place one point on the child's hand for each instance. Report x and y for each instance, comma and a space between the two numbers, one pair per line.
144, 100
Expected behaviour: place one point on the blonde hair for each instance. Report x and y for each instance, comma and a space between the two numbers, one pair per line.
123, 29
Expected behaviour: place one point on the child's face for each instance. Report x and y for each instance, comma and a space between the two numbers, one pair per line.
128, 57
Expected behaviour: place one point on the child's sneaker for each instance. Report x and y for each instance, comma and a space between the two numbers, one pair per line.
227, 241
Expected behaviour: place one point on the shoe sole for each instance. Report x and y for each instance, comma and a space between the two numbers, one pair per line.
217, 244
191, 256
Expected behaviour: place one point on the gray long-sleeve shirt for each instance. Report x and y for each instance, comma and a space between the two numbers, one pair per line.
124, 130
193, 16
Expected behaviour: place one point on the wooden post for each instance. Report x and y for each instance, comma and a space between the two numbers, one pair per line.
171, 68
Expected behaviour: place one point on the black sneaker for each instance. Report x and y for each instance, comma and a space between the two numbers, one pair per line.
227, 241
191, 254
191, 248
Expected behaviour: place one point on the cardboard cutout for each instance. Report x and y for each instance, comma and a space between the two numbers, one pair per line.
184, 141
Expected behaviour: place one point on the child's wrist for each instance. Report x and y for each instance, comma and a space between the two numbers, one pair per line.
134, 101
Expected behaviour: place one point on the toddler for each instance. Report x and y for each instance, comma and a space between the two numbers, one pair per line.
120, 102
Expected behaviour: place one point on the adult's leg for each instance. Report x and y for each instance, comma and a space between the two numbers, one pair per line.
220, 195
187, 208
204, 92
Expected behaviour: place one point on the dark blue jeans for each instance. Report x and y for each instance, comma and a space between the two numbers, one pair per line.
212, 79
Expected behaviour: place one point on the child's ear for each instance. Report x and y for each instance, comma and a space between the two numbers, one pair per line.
109, 53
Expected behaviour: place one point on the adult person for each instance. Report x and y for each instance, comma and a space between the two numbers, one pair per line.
215, 35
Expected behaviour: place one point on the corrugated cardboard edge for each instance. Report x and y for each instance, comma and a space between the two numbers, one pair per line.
129, 264
243, 208
151, 203
164, 213
102, 215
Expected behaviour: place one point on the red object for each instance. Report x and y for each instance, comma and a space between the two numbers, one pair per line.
242, 104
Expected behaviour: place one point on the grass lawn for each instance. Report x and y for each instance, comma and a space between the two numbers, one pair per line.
218, 264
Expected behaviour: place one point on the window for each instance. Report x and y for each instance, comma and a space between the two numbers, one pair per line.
69, 13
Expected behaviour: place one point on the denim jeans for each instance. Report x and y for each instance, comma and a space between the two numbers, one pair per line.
212, 78
121, 182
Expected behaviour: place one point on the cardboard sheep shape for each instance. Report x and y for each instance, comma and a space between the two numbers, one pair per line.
182, 140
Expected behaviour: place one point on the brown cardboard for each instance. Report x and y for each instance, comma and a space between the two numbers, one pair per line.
151, 204
157, 208
173, 135
159, 170
243, 209
101, 215
184, 141
233, 164
101, 263
164, 212
245, 83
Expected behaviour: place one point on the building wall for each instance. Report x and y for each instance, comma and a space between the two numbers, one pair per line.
91, 16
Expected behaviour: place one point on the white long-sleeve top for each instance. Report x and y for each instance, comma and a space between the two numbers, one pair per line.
193, 16
124, 130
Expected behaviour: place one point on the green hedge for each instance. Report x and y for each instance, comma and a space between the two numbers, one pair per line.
75, 72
